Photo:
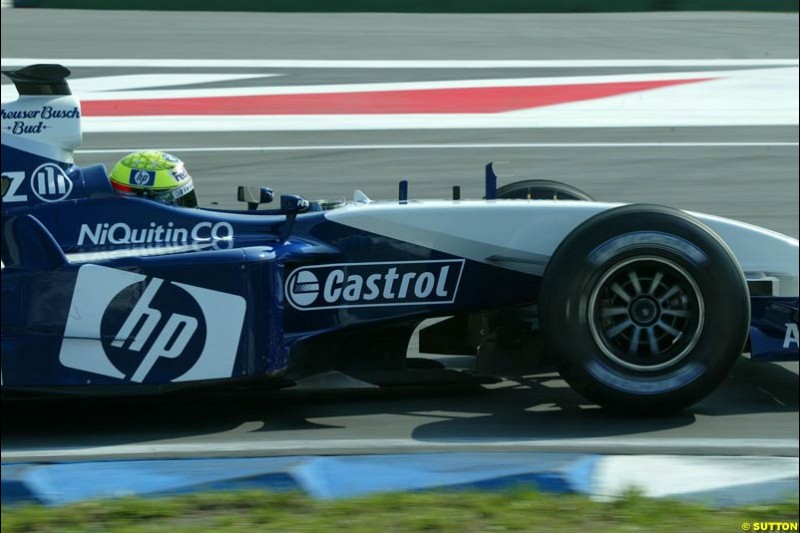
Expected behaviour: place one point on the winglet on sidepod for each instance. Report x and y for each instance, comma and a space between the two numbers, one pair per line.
27, 244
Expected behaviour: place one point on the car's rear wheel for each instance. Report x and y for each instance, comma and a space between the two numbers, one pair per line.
644, 309
542, 190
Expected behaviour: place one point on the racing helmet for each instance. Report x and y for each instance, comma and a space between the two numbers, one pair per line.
156, 175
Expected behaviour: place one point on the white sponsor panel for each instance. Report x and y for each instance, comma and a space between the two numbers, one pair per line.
150, 334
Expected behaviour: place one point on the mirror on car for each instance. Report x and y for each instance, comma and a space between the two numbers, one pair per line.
254, 196
293, 204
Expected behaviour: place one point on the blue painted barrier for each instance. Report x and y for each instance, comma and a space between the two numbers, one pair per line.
13, 488
320, 477
716, 480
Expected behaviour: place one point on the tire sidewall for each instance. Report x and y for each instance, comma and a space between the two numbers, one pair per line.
618, 235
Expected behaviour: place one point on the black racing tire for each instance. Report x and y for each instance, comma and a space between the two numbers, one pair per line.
677, 284
542, 190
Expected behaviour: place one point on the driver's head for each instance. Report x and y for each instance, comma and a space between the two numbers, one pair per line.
155, 175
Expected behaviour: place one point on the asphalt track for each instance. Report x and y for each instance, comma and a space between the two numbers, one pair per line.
755, 184
98, 34
754, 412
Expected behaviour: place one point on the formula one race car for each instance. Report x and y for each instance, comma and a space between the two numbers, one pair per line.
640, 307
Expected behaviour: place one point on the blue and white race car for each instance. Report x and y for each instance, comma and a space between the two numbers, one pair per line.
641, 307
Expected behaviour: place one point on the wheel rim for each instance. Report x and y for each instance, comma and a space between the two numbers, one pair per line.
646, 313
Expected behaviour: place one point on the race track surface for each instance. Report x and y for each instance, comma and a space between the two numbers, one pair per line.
746, 171
753, 413
139, 34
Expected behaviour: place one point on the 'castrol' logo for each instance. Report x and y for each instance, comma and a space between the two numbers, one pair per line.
374, 284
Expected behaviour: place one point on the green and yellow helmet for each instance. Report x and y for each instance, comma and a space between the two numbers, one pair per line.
155, 175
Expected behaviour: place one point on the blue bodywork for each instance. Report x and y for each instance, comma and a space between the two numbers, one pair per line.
773, 328
99, 289
95, 241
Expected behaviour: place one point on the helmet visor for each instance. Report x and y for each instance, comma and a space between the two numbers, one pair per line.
183, 196
187, 200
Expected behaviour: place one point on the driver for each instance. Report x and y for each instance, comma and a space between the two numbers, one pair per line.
155, 175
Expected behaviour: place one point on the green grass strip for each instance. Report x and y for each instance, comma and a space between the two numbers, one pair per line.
457, 512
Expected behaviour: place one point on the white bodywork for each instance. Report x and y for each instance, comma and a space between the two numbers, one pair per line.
515, 234
522, 234
47, 125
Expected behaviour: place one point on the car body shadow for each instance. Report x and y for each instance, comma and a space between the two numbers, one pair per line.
536, 407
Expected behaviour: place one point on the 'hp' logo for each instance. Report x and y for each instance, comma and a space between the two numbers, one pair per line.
125, 326
143, 177
303, 288
50, 184
157, 336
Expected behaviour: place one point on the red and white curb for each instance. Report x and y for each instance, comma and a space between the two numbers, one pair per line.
156, 102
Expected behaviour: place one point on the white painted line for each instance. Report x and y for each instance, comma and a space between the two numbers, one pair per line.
560, 116
82, 87
659, 476
395, 64
444, 146
138, 85
299, 447
134, 82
